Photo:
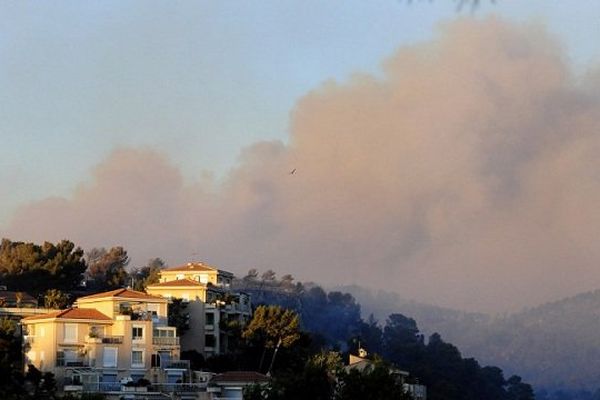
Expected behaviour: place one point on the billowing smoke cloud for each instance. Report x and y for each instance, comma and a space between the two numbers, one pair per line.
468, 175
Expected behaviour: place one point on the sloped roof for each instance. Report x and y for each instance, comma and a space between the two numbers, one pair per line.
191, 266
178, 283
72, 313
121, 294
240, 376
11, 297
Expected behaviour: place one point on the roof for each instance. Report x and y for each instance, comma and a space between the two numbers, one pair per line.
191, 266
179, 283
72, 313
121, 294
11, 297
240, 376
360, 364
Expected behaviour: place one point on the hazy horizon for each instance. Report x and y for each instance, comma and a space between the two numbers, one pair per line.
461, 170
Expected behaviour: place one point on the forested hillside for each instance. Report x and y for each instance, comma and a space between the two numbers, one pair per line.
555, 346
333, 320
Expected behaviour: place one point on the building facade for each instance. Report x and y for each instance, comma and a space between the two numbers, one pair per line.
214, 309
104, 340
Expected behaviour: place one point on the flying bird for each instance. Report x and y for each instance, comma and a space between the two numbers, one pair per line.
292, 172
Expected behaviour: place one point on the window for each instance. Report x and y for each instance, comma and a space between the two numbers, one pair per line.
60, 358
137, 358
185, 297
96, 331
203, 278
210, 318
123, 308
209, 340
110, 357
155, 361
162, 358
31, 355
137, 333
66, 358
153, 310
70, 333
164, 333
71, 358
165, 358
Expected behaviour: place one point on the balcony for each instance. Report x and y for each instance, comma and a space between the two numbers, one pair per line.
176, 364
72, 363
165, 341
112, 339
178, 387
151, 390
76, 363
105, 339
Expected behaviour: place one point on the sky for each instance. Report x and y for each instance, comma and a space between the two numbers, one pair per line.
443, 153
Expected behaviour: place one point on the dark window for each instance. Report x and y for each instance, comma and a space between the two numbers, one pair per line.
210, 318
137, 332
209, 340
60, 358
155, 362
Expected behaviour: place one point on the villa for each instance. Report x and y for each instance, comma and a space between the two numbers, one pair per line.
106, 339
213, 307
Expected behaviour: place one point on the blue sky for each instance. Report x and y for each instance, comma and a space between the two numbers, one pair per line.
199, 80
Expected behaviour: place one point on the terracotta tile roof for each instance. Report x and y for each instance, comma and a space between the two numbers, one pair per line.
240, 376
178, 283
121, 294
72, 313
192, 266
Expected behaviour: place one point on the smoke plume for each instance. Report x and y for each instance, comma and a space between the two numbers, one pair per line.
466, 175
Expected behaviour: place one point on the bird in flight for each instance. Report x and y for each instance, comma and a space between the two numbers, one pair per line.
292, 172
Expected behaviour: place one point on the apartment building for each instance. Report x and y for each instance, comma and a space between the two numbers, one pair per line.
213, 307
106, 338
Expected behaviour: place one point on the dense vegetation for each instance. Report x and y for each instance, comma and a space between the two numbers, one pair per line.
554, 346
332, 320
57, 273
37, 268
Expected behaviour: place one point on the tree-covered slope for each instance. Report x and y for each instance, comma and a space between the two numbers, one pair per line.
553, 346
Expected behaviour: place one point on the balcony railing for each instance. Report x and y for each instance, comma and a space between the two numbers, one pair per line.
78, 362
165, 341
104, 339
178, 387
176, 364
154, 388
112, 339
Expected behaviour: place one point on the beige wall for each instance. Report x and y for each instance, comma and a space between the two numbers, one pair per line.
110, 306
199, 276
41, 345
190, 293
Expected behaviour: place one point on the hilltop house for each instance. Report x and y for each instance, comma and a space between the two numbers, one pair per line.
106, 338
361, 362
211, 304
